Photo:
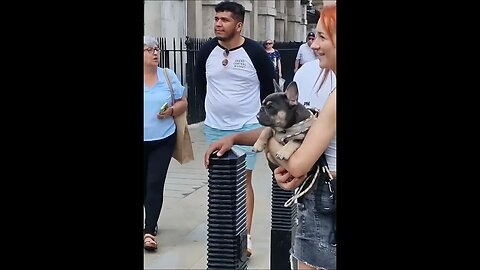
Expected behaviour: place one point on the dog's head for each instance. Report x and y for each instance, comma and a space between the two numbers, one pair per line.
281, 109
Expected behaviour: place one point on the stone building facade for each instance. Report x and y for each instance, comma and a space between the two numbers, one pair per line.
281, 20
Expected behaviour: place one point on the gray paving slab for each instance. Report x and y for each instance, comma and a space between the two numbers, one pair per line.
182, 234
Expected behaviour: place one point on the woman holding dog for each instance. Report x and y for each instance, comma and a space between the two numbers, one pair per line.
314, 244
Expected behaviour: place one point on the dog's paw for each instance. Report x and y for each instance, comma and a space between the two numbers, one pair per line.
283, 154
259, 146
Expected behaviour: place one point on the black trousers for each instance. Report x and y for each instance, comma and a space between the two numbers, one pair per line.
156, 160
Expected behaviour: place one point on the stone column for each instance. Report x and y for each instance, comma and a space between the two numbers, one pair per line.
328, 2
208, 17
280, 21
249, 21
194, 19
295, 21
317, 4
164, 18
254, 26
266, 19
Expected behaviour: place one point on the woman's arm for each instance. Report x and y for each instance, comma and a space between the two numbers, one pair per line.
279, 68
315, 143
178, 108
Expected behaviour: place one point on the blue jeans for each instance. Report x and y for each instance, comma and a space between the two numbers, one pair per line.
314, 243
213, 134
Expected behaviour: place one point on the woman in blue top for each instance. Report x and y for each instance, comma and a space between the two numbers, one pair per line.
159, 133
274, 57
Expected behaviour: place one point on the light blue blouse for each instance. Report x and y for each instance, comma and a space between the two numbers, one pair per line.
153, 99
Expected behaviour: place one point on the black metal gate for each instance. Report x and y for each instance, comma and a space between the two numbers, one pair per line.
288, 52
180, 57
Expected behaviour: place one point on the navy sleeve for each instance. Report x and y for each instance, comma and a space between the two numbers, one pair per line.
199, 73
263, 65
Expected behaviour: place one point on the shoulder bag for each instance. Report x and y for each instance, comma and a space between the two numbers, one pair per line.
183, 151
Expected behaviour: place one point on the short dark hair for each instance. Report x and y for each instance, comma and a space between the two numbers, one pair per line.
237, 9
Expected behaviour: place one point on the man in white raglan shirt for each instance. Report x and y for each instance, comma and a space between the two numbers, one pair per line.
235, 74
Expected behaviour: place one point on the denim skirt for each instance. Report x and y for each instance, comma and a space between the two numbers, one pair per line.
315, 242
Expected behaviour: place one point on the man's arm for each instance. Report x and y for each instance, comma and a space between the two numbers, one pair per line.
266, 74
297, 62
297, 59
224, 144
263, 66
199, 71
199, 74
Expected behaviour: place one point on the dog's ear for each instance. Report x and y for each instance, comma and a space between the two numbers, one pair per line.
278, 89
292, 93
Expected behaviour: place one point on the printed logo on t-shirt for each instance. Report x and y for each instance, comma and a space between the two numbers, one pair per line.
239, 63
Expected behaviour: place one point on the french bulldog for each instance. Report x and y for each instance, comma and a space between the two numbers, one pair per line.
285, 119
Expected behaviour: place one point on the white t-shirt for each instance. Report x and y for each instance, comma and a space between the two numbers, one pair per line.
308, 79
305, 54
234, 84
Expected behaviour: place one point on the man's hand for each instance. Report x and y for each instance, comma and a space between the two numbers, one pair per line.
222, 145
287, 181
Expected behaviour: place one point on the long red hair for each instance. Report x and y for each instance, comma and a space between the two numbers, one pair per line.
328, 18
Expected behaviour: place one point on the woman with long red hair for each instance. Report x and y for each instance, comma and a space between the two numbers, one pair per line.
314, 245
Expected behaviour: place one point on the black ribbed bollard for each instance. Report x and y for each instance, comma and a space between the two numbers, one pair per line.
227, 212
283, 227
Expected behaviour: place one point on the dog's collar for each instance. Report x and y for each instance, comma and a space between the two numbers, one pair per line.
299, 128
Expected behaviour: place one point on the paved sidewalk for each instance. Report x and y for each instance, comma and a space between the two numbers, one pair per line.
182, 237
